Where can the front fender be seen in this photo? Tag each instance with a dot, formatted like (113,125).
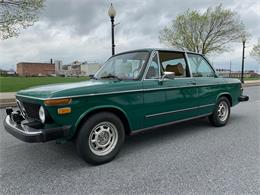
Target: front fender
(99,108)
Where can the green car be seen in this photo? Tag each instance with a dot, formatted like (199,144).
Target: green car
(132,92)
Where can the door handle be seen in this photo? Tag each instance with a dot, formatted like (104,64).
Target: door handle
(192,83)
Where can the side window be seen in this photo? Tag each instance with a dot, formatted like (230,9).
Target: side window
(153,70)
(199,66)
(174,62)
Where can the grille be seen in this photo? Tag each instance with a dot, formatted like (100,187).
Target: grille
(31,110)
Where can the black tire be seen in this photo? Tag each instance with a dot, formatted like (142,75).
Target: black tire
(89,131)
(216,119)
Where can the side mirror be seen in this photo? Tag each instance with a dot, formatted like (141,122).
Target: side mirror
(91,76)
(168,75)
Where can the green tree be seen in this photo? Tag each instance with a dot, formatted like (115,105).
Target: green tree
(16,15)
(208,32)
(255,52)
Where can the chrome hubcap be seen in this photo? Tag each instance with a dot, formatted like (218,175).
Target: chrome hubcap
(103,138)
(223,111)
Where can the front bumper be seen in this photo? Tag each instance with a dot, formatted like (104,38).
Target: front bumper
(243,98)
(29,132)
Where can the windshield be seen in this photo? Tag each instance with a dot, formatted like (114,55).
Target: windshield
(125,66)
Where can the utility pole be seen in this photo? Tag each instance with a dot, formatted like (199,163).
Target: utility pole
(243,59)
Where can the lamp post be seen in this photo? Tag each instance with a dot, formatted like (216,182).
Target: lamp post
(230,64)
(112,14)
(243,58)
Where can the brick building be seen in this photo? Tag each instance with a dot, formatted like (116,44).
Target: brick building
(35,69)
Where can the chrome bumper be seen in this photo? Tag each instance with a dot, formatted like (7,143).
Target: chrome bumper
(28,133)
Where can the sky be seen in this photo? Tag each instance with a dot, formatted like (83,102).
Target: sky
(70,30)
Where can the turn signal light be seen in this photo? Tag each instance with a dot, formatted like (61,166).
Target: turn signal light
(56,102)
(62,111)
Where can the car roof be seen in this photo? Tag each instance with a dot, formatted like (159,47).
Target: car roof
(157,49)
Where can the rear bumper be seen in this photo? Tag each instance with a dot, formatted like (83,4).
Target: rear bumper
(29,134)
(243,98)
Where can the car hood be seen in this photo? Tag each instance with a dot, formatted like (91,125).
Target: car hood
(65,89)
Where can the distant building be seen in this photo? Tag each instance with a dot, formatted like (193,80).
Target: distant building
(89,68)
(224,72)
(58,67)
(236,74)
(73,70)
(35,69)
(76,68)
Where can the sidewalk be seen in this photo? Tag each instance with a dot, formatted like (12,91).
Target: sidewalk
(251,83)
(8,99)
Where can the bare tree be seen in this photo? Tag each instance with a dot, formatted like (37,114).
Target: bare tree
(16,15)
(255,52)
(209,32)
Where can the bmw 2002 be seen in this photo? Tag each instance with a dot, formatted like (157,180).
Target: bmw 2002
(132,92)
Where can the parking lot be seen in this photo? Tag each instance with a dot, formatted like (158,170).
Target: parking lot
(188,158)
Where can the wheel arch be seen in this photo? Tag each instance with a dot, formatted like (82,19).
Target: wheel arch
(113,109)
(227,95)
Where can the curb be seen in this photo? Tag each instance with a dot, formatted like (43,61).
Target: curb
(251,84)
(7,103)
(12,102)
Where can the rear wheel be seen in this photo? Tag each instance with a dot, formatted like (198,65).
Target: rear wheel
(221,113)
(100,138)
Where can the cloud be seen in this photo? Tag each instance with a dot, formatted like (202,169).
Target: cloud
(80,30)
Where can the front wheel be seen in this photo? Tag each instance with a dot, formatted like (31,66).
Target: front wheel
(100,138)
(221,113)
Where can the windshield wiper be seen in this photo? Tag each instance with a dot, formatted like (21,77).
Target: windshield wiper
(111,76)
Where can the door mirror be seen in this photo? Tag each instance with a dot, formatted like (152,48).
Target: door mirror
(168,75)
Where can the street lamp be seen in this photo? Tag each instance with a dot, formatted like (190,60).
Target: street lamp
(112,14)
(243,58)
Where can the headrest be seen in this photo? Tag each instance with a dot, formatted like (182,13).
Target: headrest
(177,69)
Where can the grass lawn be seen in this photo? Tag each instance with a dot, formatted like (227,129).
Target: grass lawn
(13,84)
(252,79)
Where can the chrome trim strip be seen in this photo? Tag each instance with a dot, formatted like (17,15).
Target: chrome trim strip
(166,88)
(134,132)
(188,64)
(126,91)
(174,111)
(31,97)
(149,63)
(159,64)
(86,95)
(107,93)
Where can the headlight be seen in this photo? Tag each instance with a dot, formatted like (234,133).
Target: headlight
(42,114)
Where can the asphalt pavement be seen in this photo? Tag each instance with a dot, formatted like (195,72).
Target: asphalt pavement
(188,158)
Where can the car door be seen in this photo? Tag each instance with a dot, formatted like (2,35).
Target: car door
(181,91)
(154,95)
(169,100)
(208,84)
